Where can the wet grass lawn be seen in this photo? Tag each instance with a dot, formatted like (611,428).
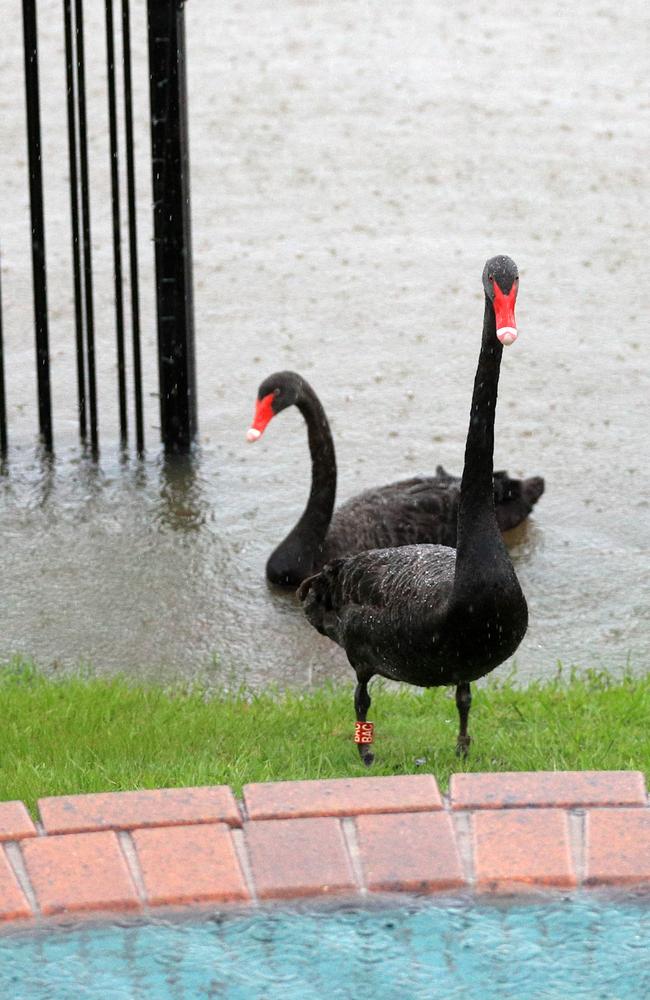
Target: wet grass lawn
(80,734)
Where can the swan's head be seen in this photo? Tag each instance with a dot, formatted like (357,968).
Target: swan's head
(276,392)
(501,282)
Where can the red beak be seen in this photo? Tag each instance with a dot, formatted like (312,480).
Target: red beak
(504,311)
(263,414)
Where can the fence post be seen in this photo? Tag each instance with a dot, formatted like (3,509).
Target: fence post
(38,226)
(171,213)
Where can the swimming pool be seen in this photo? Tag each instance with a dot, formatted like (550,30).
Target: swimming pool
(569,947)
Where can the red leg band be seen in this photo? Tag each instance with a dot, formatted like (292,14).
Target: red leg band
(363,732)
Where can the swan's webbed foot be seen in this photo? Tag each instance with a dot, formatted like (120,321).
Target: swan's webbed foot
(463,704)
(366,754)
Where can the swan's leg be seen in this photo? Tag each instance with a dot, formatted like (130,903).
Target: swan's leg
(463,704)
(361,705)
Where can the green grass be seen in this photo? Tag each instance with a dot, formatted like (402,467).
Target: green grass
(83,735)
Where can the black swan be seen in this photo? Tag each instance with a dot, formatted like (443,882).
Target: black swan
(411,512)
(428,614)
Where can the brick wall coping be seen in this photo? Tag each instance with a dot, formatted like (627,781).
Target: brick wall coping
(496,833)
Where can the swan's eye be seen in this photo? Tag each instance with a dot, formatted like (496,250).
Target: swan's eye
(276,392)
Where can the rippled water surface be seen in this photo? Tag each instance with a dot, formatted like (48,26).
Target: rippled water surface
(352,168)
(574,948)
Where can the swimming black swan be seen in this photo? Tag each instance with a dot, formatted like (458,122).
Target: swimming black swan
(427,614)
(410,512)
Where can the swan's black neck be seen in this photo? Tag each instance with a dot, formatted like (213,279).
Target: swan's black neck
(479,539)
(301,551)
(320,506)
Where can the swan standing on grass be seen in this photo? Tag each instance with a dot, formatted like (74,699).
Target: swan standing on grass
(411,512)
(428,614)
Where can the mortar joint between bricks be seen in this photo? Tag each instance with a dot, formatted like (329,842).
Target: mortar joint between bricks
(17,862)
(131,857)
(463,830)
(241,850)
(349,829)
(577,821)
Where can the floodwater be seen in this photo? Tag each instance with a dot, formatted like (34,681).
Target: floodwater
(352,168)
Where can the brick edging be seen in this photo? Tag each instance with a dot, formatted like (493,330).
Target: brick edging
(493,833)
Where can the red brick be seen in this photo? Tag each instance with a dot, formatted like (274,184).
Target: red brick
(84,871)
(522,848)
(562,789)
(128,810)
(409,852)
(13,903)
(15,821)
(617,847)
(189,864)
(298,857)
(342,797)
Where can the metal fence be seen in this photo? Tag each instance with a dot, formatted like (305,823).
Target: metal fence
(171,227)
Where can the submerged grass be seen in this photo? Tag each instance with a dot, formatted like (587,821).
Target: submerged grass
(84,734)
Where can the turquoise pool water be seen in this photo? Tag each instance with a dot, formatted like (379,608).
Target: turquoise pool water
(569,948)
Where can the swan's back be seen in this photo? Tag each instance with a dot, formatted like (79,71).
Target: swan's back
(382,604)
(394,613)
(422,510)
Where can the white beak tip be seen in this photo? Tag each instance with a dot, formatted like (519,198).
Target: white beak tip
(252,434)
(507,335)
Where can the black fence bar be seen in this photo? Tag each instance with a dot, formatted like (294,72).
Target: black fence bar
(85,218)
(171,196)
(3,404)
(117,245)
(133,233)
(70,63)
(38,226)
